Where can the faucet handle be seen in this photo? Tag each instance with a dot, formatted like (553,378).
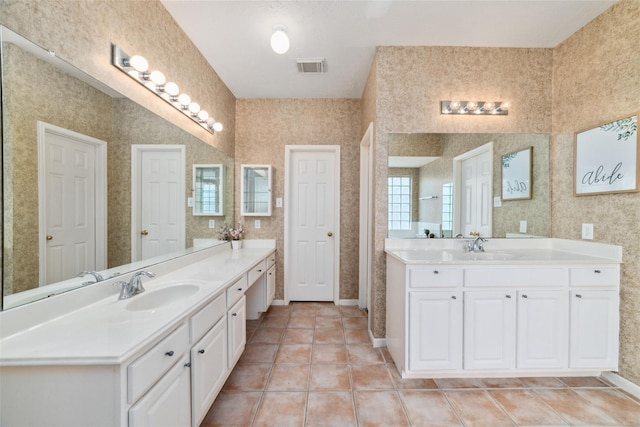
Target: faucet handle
(124,289)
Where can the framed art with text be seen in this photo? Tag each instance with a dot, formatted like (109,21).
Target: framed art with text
(606,158)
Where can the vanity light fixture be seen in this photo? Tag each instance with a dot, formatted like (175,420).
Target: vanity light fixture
(279,39)
(482,108)
(137,68)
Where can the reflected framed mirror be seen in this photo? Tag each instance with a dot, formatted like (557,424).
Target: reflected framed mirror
(208,190)
(255,190)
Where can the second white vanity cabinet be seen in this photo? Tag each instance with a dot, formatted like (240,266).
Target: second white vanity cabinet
(236,319)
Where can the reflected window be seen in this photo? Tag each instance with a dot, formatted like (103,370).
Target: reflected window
(447,210)
(399,202)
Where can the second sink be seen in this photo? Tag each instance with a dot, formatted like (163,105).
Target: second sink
(161,297)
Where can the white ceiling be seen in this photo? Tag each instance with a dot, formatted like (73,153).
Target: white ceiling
(234,36)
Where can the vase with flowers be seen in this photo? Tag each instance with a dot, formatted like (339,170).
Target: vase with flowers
(234,234)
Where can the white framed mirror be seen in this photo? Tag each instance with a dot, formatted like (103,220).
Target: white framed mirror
(255,190)
(208,190)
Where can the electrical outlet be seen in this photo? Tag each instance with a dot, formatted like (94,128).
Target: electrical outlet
(212,223)
(523,226)
(587,231)
(257,224)
(278,202)
(190,202)
(497,202)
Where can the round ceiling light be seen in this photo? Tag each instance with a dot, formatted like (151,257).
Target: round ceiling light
(280,40)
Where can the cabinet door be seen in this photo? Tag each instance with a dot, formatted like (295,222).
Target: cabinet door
(271,285)
(236,319)
(594,329)
(208,369)
(543,329)
(168,403)
(489,330)
(435,330)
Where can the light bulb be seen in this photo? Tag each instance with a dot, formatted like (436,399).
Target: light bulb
(139,63)
(454,105)
(172,89)
(210,122)
(217,126)
(184,99)
(488,106)
(279,40)
(158,78)
(203,115)
(471,105)
(194,107)
(504,106)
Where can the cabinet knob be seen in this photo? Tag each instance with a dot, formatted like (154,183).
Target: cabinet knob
(436,272)
(524,296)
(597,271)
(507,296)
(239,289)
(201,351)
(259,271)
(578,296)
(187,365)
(234,314)
(454,297)
(169,353)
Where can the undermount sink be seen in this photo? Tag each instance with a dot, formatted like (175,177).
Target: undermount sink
(158,298)
(489,256)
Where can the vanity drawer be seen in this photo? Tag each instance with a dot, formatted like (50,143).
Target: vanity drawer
(434,276)
(237,290)
(595,276)
(516,276)
(257,271)
(271,259)
(203,320)
(147,369)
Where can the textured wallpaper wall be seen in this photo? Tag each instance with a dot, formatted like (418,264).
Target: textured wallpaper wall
(596,75)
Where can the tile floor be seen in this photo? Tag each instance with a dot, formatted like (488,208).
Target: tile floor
(311,364)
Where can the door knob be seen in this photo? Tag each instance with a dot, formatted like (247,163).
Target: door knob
(49,237)
(144,232)
(329,234)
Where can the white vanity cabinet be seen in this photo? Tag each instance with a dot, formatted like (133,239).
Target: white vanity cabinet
(262,287)
(236,319)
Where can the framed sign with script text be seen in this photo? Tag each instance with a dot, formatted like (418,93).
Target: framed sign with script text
(606,158)
(517,178)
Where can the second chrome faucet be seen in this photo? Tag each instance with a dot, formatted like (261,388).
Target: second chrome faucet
(134,287)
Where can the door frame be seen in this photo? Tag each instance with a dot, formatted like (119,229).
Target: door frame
(366,218)
(457,182)
(136,177)
(100,194)
(288,151)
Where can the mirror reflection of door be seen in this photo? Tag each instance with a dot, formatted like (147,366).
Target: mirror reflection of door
(72,203)
(158,199)
(476,190)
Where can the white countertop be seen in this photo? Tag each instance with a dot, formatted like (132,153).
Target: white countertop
(502,251)
(105,332)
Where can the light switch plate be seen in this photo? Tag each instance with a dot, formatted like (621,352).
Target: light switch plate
(257,224)
(497,202)
(278,202)
(587,231)
(523,226)
(212,223)
(190,202)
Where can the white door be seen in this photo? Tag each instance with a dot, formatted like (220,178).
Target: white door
(72,203)
(435,331)
(489,330)
(543,329)
(158,196)
(473,188)
(312,183)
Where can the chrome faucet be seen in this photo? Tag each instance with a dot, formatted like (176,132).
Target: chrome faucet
(134,287)
(476,245)
(95,274)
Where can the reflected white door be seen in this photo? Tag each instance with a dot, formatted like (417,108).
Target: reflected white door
(71,203)
(476,193)
(159,226)
(312,222)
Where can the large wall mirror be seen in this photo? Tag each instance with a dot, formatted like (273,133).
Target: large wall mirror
(423,172)
(49,108)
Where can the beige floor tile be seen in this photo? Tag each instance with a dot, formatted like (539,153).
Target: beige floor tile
(543,382)
(274,322)
(304,309)
(328,336)
(364,353)
(259,353)
(379,409)
(624,410)
(328,322)
(331,409)
(501,383)
(371,377)
(386,355)
(302,322)
(477,409)
(574,409)
(232,408)
(410,383)
(282,409)
(355,322)
(289,378)
(298,336)
(429,408)
(267,335)
(583,382)
(330,377)
(328,310)
(294,353)
(360,336)
(248,377)
(456,383)
(526,409)
(351,311)
(329,353)
(279,310)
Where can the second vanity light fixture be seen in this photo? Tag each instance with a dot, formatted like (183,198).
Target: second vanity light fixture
(137,68)
(483,108)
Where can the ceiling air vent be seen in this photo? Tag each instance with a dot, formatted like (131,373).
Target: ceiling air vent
(311,65)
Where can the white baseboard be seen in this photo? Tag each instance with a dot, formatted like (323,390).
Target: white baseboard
(349,302)
(377,342)
(623,383)
(278,302)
